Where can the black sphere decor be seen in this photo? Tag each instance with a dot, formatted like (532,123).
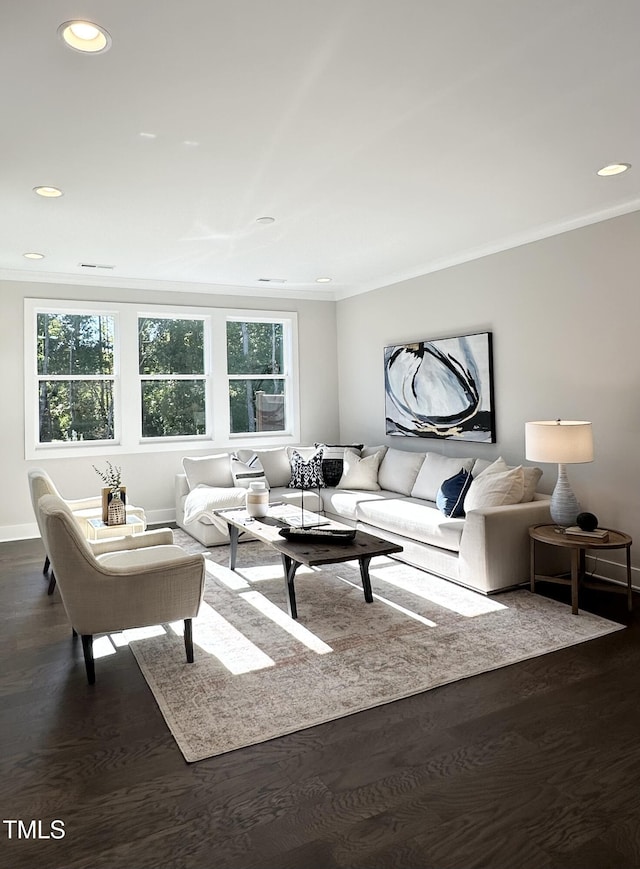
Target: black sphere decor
(587,521)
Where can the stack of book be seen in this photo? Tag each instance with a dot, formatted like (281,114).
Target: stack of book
(599,534)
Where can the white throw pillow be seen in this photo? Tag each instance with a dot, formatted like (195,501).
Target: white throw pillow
(531,476)
(495,489)
(398,470)
(434,471)
(245,473)
(360,473)
(208,471)
(275,462)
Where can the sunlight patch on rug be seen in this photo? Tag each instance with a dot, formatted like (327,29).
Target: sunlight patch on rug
(216,636)
(409,613)
(439,591)
(258,674)
(284,621)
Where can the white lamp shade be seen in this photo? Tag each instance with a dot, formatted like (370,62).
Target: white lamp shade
(561,442)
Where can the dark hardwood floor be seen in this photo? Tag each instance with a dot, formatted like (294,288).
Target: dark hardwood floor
(532,766)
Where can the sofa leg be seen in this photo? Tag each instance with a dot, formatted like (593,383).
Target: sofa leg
(46,564)
(52,582)
(188,639)
(87,648)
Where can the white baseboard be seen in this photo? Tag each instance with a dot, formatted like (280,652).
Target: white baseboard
(614,571)
(30,530)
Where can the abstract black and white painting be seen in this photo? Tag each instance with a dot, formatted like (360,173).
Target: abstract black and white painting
(441,389)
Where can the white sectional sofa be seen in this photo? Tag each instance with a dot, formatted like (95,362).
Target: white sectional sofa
(487,549)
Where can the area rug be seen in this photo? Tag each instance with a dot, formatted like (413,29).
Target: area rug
(258,674)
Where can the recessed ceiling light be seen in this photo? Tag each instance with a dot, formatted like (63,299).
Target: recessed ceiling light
(47,192)
(323,280)
(33,255)
(265,220)
(147,135)
(613,169)
(85,36)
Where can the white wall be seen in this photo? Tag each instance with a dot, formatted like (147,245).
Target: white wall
(149,477)
(565,317)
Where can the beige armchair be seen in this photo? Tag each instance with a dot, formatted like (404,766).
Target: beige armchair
(83,509)
(117,590)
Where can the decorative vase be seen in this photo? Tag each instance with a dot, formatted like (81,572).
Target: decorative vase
(107,495)
(116,513)
(257,500)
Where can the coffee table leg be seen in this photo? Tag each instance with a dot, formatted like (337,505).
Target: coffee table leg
(233,546)
(629,589)
(364,561)
(290,566)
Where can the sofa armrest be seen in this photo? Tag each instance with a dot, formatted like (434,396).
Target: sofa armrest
(181,485)
(494,548)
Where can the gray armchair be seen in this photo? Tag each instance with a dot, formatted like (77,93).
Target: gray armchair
(117,590)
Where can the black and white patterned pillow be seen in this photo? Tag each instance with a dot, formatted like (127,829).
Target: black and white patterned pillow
(306,474)
(333,461)
(244,473)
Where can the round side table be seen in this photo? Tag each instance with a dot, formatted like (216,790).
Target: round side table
(553,535)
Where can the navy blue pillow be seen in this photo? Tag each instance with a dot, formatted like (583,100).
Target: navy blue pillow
(450,497)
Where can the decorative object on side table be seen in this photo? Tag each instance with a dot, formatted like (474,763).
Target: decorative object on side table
(114,495)
(587,521)
(560,442)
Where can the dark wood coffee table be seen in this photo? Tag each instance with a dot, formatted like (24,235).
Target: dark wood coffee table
(311,553)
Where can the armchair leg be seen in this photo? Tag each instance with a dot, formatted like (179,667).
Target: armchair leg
(188,639)
(46,564)
(87,648)
(52,582)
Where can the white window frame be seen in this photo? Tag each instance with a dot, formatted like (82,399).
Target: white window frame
(127,380)
(206,376)
(287,364)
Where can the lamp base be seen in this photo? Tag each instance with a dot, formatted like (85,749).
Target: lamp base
(564,504)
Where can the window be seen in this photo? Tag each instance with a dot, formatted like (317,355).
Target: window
(125,378)
(172,372)
(257,376)
(75,364)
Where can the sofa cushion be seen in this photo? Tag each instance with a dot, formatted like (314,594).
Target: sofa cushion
(531,476)
(398,470)
(275,462)
(344,502)
(309,499)
(451,494)
(360,472)
(208,470)
(412,518)
(479,466)
(495,489)
(245,473)
(370,451)
(306,474)
(333,461)
(434,471)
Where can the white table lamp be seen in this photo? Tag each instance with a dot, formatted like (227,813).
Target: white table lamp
(562,442)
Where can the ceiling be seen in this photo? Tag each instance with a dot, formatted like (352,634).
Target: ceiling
(388,138)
